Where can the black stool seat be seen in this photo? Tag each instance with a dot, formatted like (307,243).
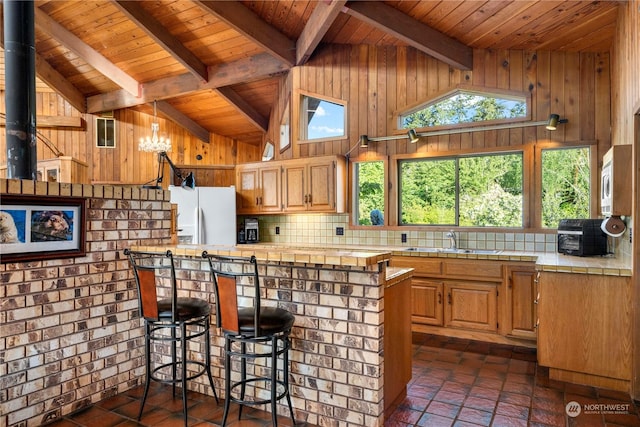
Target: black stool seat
(186,308)
(243,327)
(171,321)
(272,321)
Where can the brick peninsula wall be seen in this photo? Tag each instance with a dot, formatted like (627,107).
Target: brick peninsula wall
(69,328)
(70,334)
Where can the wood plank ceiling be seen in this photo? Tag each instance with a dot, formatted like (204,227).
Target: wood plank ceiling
(213,66)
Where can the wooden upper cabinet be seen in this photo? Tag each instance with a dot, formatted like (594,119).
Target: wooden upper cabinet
(302,185)
(310,186)
(259,189)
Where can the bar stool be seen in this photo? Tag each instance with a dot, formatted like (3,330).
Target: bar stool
(169,320)
(251,327)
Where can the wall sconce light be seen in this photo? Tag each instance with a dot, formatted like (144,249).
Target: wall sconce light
(364,141)
(554,120)
(413,136)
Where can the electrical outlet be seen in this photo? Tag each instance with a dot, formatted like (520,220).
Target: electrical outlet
(403,237)
(339,231)
(277,230)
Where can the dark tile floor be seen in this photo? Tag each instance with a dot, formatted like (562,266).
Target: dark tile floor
(455,383)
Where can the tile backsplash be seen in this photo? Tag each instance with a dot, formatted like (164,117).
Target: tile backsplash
(325,229)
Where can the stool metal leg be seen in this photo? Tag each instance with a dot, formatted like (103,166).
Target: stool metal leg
(207,352)
(274,379)
(147,358)
(183,350)
(243,374)
(227,378)
(285,370)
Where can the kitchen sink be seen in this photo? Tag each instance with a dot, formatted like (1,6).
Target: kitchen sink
(456,251)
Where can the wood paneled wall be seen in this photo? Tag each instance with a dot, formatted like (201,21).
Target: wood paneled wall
(124,164)
(379,82)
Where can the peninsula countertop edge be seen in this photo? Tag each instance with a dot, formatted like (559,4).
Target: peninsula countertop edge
(367,256)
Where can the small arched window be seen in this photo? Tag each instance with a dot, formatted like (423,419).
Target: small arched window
(466,105)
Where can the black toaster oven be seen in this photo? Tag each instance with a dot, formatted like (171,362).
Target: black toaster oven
(581,237)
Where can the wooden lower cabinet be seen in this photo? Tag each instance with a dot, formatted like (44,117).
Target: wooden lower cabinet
(520,295)
(397,342)
(471,306)
(487,300)
(584,333)
(426,302)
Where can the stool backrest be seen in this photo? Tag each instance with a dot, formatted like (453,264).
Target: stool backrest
(226,272)
(149,269)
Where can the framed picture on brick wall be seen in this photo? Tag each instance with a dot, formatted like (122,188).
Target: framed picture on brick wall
(41,227)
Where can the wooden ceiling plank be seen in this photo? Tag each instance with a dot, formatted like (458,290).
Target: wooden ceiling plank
(182,120)
(161,35)
(83,50)
(250,25)
(412,32)
(241,71)
(60,84)
(317,26)
(243,107)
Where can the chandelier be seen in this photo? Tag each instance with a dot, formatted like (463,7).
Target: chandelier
(154,143)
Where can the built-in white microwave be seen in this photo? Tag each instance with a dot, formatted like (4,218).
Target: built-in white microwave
(615,181)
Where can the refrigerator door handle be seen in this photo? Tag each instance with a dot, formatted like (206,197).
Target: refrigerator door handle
(196,226)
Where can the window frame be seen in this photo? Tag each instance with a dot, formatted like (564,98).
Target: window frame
(301,120)
(456,157)
(480,90)
(353,185)
(97,127)
(594,179)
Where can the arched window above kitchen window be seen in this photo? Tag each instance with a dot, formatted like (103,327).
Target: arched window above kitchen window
(467,105)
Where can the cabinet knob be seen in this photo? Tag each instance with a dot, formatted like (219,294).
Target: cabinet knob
(439,298)
(449,298)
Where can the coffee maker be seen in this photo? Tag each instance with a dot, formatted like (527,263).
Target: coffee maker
(251,230)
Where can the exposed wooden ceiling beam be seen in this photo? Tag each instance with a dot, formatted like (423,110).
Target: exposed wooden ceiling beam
(243,107)
(57,82)
(160,35)
(54,121)
(180,119)
(45,23)
(412,32)
(245,70)
(317,26)
(250,25)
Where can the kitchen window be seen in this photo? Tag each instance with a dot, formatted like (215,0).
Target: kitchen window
(566,190)
(369,185)
(471,191)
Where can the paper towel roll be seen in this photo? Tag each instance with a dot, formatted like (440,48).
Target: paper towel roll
(613,226)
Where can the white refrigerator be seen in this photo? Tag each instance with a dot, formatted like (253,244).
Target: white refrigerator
(207,214)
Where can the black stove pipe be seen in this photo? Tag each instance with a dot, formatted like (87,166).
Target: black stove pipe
(20,88)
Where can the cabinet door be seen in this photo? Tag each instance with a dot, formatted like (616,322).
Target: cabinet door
(520,313)
(426,302)
(295,189)
(585,324)
(247,187)
(270,200)
(471,306)
(321,187)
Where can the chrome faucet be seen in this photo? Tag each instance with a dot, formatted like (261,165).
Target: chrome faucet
(452,237)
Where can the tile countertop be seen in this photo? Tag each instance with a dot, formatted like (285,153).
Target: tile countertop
(362,256)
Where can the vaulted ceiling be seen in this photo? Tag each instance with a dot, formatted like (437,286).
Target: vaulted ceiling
(213,66)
